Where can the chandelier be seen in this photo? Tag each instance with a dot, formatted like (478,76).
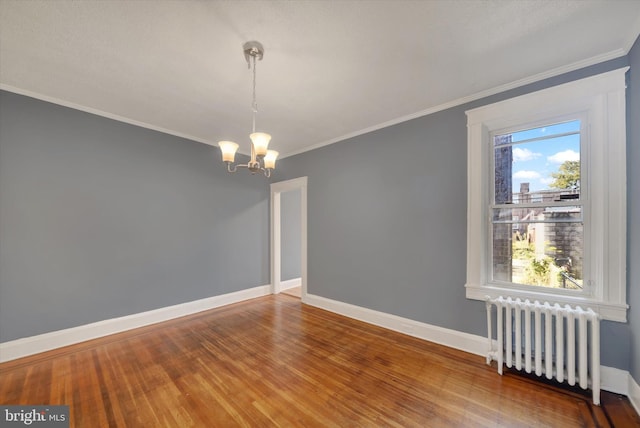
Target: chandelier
(262,160)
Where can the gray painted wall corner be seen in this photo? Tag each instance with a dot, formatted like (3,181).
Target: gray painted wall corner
(290,240)
(101,219)
(388,232)
(633,207)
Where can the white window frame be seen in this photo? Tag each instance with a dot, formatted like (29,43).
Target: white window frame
(601,99)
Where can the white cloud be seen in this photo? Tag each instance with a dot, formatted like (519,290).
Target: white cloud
(547,181)
(530,175)
(561,157)
(521,155)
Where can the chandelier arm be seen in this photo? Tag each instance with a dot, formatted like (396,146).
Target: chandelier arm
(254,168)
(251,166)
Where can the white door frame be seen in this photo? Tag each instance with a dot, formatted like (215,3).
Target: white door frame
(276,251)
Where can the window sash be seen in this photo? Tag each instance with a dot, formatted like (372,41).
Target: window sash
(577,203)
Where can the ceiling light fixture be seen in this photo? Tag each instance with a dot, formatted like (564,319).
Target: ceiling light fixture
(262,160)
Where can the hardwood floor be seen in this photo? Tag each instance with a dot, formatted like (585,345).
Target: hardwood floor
(294,292)
(272,361)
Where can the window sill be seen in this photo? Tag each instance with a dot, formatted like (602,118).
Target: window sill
(606,310)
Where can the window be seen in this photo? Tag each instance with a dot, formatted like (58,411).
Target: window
(547,196)
(537,233)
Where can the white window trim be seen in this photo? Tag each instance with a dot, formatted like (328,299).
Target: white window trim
(602,99)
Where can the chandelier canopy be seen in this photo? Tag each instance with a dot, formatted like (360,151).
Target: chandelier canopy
(262,160)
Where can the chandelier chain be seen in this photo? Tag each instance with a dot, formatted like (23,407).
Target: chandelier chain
(254,106)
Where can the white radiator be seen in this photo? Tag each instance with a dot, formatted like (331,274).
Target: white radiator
(547,342)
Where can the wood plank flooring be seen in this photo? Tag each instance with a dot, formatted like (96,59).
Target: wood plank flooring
(294,292)
(273,361)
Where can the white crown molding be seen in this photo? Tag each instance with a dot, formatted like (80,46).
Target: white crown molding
(633,36)
(102,113)
(18,348)
(482,94)
(478,95)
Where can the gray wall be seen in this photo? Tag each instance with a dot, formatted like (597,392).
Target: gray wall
(100,219)
(633,206)
(290,234)
(388,231)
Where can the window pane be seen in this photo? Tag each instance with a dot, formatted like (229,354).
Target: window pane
(540,254)
(559,128)
(540,170)
(503,182)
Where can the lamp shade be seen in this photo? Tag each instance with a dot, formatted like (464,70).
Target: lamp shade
(228,149)
(260,142)
(270,159)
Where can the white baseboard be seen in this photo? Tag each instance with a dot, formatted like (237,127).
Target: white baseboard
(443,336)
(611,379)
(290,283)
(614,380)
(633,393)
(45,342)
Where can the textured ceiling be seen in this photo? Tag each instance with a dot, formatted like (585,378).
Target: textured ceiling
(331,69)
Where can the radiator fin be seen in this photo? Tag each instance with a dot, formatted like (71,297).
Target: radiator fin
(554,338)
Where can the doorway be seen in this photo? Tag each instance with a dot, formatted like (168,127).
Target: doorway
(277,191)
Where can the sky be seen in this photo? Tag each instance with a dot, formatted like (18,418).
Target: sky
(534,161)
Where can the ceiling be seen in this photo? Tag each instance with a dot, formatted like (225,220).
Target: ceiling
(331,70)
